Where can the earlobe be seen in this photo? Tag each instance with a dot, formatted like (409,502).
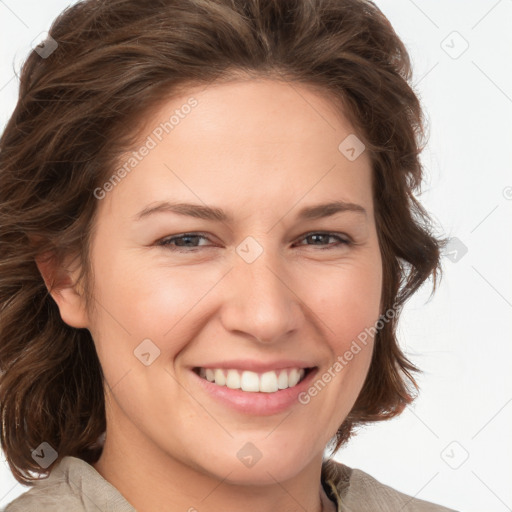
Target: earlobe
(62,286)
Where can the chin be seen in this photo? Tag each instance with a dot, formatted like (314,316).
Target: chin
(255,468)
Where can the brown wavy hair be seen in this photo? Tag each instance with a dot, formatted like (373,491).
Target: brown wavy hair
(80,108)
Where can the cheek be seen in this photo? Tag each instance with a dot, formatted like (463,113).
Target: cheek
(143,297)
(347,300)
(348,307)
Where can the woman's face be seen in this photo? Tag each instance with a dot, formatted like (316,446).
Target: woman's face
(260,288)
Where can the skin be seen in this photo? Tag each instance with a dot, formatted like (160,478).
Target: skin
(261,150)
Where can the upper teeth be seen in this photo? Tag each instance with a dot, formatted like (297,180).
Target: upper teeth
(268,382)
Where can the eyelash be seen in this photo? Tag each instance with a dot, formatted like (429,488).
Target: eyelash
(166,242)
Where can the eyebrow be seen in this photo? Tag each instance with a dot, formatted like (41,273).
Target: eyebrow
(204,212)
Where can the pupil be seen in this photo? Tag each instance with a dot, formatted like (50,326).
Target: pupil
(185,239)
(318,237)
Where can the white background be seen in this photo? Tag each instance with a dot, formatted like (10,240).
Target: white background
(453,446)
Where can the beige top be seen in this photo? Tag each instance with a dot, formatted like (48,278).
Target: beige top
(75,486)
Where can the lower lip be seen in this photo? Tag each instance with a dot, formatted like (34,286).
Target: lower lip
(256,403)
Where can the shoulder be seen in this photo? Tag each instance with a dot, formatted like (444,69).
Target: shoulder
(357,491)
(72,485)
(45,499)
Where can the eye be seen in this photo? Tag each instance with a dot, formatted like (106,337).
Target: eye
(323,237)
(189,242)
(182,243)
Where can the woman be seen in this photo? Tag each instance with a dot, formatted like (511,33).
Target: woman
(209,231)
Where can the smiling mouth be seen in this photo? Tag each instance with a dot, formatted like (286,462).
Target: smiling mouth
(253,382)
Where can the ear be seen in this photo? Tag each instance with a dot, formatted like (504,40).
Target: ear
(61,283)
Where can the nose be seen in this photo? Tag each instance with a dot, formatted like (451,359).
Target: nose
(261,300)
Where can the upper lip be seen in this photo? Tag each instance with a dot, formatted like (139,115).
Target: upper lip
(256,366)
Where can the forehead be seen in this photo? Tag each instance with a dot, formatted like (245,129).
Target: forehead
(253,112)
(244,142)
